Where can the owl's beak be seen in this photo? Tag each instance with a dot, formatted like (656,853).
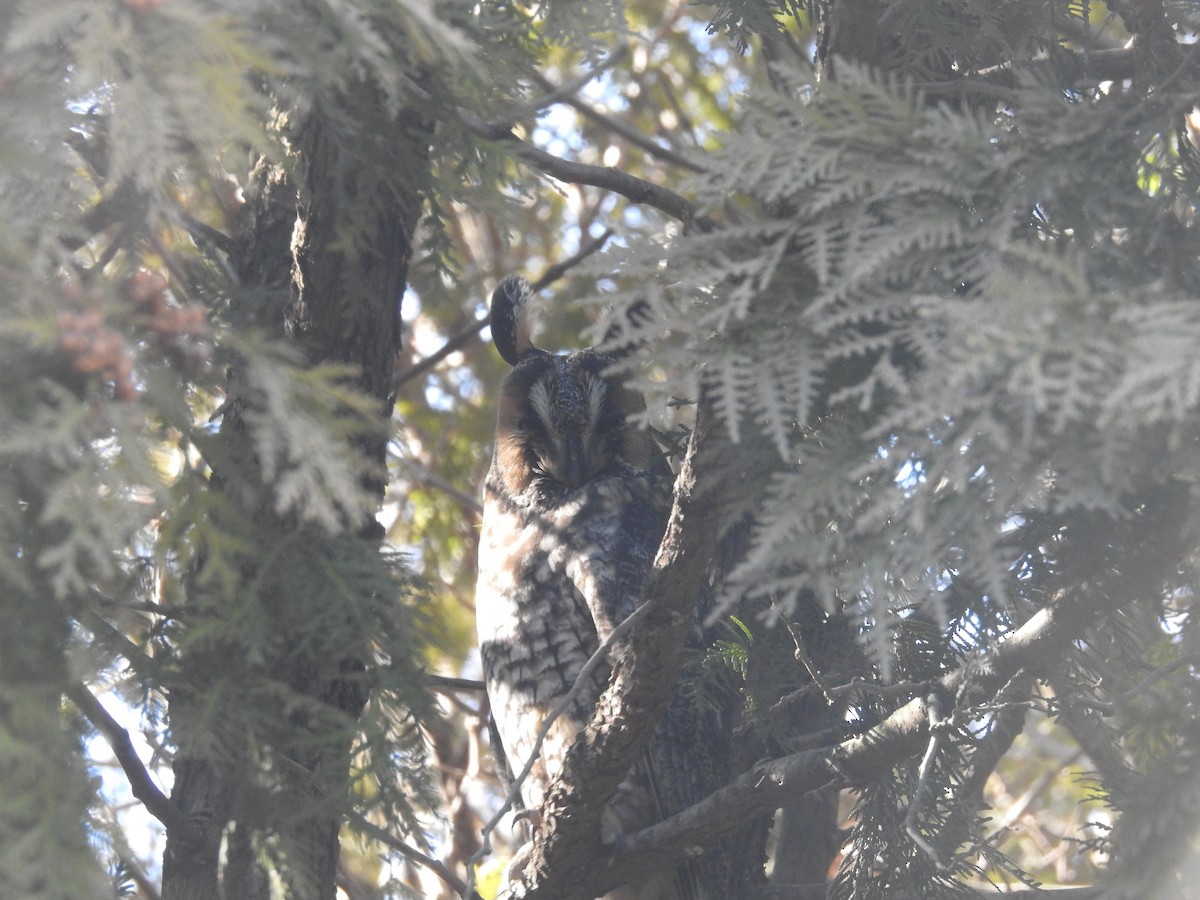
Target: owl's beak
(575,470)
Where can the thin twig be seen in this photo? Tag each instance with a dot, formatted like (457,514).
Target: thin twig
(499,128)
(632,135)
(899,689)
(629,186)
(609,178)
(100,626)
(937,724)
(157,803)
(1014,810)
(154,609)
(461,338)
(369,828)
(803,656)
(422,476)
(1109,64)
(411,853)
(1138,690)
(455,342)
(566,91)
(442,683)
(563,266)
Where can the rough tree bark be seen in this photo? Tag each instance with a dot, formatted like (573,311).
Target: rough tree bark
(335,309)
(568,858)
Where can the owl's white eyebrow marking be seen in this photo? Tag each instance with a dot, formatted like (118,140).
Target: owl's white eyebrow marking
(597,390)
(543,405)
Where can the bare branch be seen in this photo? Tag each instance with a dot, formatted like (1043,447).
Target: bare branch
(567,859)
(563,266)
(96,623)
(411,853)
(567,91)
(421,475)
(442,683)
(1112,64)
(611,179)
(154,609)
(857,760)
(937,732)
(632,135)
(144,789)
(638,190)
(1138,691)
(804,657)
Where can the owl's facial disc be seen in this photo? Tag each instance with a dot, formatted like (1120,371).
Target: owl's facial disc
(562,422)
(569,408)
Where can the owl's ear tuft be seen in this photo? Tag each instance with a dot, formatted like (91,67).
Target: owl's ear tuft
(510,319)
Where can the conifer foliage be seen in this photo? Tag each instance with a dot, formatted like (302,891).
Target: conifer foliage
(912,286)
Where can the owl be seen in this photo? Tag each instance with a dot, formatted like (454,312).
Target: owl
(576,503)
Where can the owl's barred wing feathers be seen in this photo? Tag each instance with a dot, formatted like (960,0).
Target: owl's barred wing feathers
(576,503)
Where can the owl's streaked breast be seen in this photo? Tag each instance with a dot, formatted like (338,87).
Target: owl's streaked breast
(538,567)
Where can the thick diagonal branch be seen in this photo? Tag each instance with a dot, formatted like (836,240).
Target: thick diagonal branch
(568,861)
(141,784)
(769,785)
(638,190)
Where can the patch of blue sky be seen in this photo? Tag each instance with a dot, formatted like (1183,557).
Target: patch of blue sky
(910,474)
(438,398)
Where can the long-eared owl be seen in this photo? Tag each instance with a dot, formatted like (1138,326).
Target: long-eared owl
(576,502)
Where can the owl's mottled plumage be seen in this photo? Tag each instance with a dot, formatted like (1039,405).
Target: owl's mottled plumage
(576,502)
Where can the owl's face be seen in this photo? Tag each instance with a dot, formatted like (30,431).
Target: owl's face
(563,423)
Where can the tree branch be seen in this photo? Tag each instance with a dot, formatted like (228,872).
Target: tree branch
(769,785)
(566,92)
(582,680)
(1138,692)
(144,789)
(638,190)
(420,475)
(411,853)
(568,860)
(616,126)
(451,685)
(612,179)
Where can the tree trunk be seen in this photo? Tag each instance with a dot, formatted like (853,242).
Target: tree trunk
(339,306)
